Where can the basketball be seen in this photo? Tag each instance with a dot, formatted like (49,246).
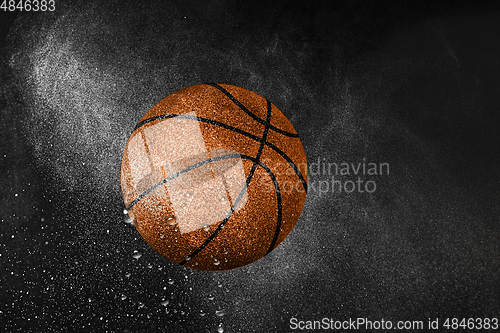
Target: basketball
(214,177)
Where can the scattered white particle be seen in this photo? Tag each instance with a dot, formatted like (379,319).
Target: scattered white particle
(127,219)
(171,220)
(136,254)
(189,196)
(16,194)
(125,211)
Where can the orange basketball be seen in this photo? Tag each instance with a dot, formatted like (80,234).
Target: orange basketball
(214,177)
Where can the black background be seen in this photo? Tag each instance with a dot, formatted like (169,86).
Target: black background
(412,84)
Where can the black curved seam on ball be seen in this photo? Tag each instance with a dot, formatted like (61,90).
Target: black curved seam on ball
(177,174)
(261,148)
(221,225)
(262,143)
(250,113)
(256,161)
(276,184)
(235,204)
(231,128)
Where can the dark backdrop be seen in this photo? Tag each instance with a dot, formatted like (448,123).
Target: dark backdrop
(411,84)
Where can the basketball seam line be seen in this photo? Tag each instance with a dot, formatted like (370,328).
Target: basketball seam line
(250,113)
(177,174)
(201,163)
(231,128)
(247,184)
(221,225)
(264,137)
(278,195)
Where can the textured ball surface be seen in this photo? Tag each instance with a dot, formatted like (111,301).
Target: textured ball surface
(214,177)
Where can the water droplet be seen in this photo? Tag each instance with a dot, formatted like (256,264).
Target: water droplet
(171,220)
(127,219)
(149,315)
(220,329)
(162,236)
(150,266)
(170,281)
(141,305)
(223,199)
(216,262)
(189,196)
(165,302)
(211,297)
(220,313)
(206,228)
(202,314)
(125,211)
(128,275)
(136,254)
(188,258)
(123,297)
